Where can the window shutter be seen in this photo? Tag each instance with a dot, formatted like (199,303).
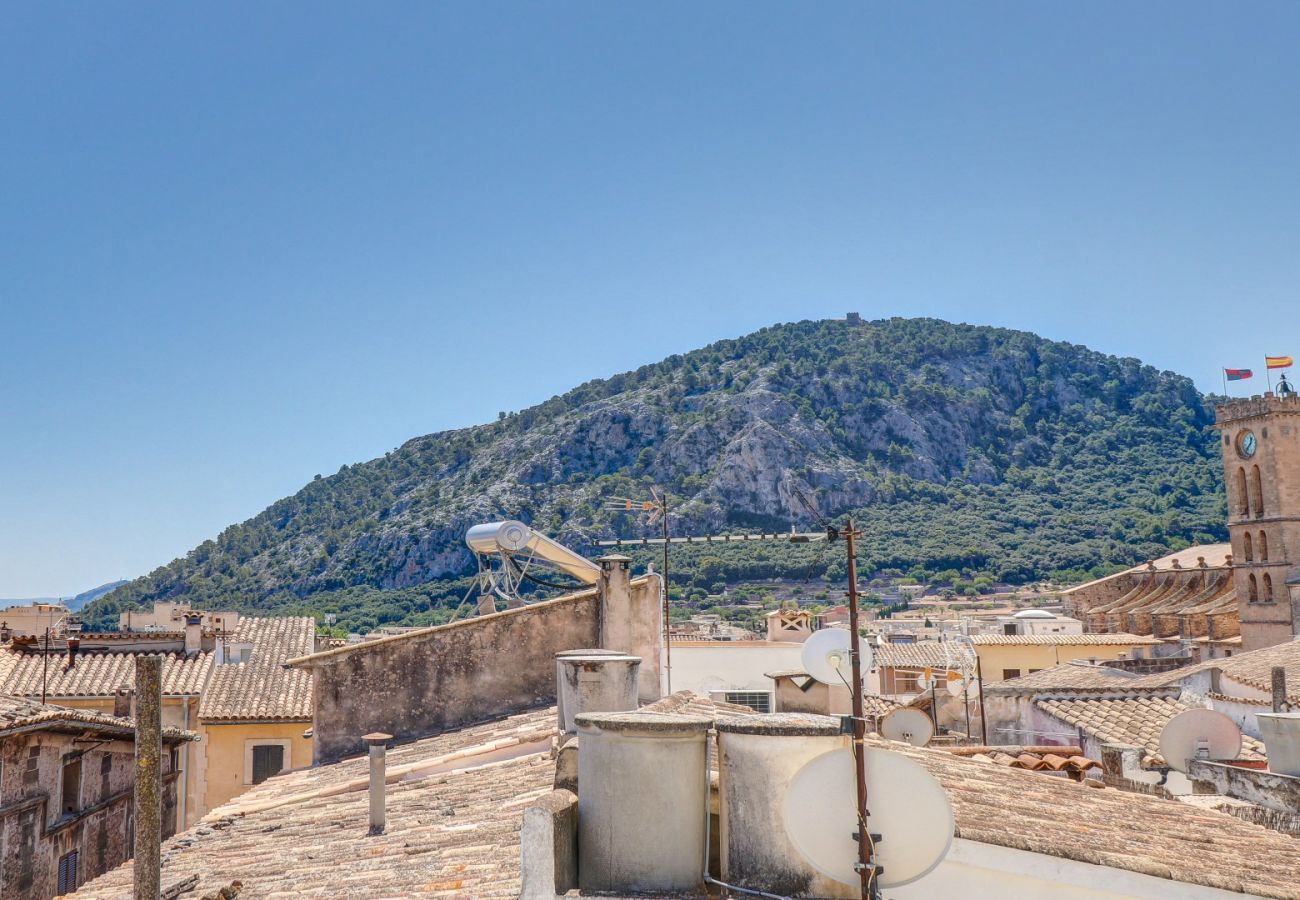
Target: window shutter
(268,760)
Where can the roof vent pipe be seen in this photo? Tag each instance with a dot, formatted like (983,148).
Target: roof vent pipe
(378,742)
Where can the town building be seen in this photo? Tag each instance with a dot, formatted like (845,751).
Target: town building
(66,785)
(223,679)
(1185,596)
(31,619)
(1038,621)
(1004,656)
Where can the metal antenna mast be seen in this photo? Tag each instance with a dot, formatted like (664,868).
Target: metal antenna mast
(656,510)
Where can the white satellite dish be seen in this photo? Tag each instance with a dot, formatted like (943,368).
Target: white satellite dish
(911,726)
(909,809)
(827,656)
(958,687)
(1199,734)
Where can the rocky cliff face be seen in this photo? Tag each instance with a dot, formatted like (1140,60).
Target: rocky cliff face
(868,417)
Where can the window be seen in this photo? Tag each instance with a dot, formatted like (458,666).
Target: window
(68,872)
(1032,671)
(71,785)
(1243,498)
(1263,547)
(1009,628)
(1256,490)
(1252,588)
(32,771)
(1010,673)
(758,701)
(1268,588)
(1248,546)
(268,760)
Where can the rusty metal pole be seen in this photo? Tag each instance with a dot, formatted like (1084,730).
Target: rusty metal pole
(859,720)
(1279,689)
(984,721)
(148,777)
(668,630)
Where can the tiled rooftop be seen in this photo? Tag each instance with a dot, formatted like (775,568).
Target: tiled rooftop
(923,654)
(263,688)
(998,805)
(455,804)
(1135,721)
(1253,668)
(96,674)
(21,712)
(1069,677)
(1061,640)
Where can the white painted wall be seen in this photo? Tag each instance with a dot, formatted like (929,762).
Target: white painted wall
(730,665)
(975,871)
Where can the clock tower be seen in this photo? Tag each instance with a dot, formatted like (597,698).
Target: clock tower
(1260,443)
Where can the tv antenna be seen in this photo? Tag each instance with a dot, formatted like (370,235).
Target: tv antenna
(1199,734)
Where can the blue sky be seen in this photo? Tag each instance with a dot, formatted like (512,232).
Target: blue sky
(245,244)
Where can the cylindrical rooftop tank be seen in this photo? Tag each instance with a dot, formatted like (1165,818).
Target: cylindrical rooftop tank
(758,757)
(642,802)
(494,537)
(603,681)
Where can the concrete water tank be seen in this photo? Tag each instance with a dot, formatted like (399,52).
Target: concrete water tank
(758,757)
(642,802)
(604,682)
(1281,733)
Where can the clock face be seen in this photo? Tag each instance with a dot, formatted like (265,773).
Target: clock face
(1246,444)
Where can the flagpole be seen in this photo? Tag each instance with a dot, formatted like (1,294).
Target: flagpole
(1268,374)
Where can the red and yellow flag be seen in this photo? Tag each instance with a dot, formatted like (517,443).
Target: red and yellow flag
(1279,362)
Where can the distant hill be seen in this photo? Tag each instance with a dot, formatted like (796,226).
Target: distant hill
(967,453)
(74,603)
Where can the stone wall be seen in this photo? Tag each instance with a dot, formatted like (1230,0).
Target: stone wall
(424,682)
(35,834)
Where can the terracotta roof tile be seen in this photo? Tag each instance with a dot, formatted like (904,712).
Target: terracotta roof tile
(262,688)
(21,712)
(454,831)
(1062,640)
(1136,721)
(97,674)
(922,654)
(1071,677)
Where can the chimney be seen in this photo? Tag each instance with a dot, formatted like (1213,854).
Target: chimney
(378,742)
(631,619)
(594,681)
(122,703)
(73,644)
(193,633)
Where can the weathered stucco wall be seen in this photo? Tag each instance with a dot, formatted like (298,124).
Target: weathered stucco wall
(421,683)
(226,749)
(34,833)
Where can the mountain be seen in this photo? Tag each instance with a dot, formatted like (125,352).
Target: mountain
(86,597)
(967,453)
(75,603)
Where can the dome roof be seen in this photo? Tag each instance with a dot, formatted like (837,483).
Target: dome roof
(1034,614)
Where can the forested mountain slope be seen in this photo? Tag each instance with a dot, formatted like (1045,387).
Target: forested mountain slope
(963,450)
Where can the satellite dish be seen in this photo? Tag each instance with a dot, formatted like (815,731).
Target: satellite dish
(909,809)
(1199,734)
(827,656)
(911,726)
(959,686)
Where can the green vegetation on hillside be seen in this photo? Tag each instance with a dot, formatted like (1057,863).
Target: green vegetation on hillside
(966,453)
